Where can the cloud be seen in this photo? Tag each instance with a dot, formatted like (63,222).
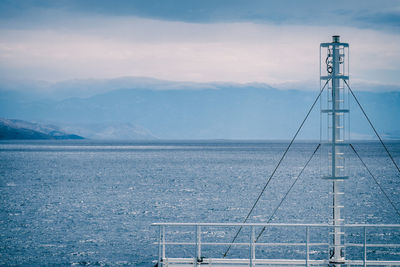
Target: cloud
(167,50)
(377,20)
(109,47)
(293,12)
(199,41)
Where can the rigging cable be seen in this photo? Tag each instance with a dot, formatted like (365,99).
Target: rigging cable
(383,191)
(287,193)
(370,123)
(273,173)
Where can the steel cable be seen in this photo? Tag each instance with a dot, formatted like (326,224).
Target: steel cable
(287,193)
(277,166)
(376,181)
(372,126)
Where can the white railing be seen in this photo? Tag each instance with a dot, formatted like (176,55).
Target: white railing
(392,230)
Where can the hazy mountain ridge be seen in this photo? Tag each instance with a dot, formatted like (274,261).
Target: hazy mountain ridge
(85,88)
(109,131)
(219,110)
(19,129)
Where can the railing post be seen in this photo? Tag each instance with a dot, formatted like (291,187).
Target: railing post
(365,246)
(307,245)
(159,245)
(198,245)
(163,245)
(252,247)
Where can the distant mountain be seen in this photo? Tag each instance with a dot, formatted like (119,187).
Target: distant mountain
(84,88)
(19,129)
(146,109)
(109,131)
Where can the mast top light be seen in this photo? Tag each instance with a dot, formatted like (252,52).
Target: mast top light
(336,39)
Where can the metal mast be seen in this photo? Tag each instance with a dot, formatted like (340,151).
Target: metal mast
(334,99)
(335,69)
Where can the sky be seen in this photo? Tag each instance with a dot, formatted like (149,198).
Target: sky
(273,42)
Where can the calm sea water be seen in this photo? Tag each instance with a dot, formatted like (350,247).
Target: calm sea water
(93,203)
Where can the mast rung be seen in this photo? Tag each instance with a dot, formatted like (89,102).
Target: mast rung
(336,246)
(333,233)
(337,153)
(344,77)
(335,177)
(341,207)
(336,144)
(337,111)
(337,220)
(338,100)
(337,193)
(340,46)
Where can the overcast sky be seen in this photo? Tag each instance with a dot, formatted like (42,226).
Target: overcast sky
(274,42)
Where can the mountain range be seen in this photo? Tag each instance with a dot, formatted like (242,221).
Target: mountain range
(144,108)
(19,129)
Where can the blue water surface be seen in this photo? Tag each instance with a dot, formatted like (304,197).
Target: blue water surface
(65,203)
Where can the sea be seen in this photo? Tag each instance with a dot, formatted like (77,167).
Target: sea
(93,203)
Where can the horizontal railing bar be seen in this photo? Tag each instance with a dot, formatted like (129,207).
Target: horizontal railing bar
(279,244)
(372,262)
(242,261)
(289,244)
(276,224)
(372,245)
(277,261)
(244,244)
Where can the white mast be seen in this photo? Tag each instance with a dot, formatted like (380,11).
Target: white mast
(335,108)
(334,97)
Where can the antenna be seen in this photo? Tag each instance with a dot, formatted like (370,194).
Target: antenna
(335,109)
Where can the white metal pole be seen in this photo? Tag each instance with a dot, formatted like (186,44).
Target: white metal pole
(335,137)
(365,246)
(163,244)
(307,245)
(198,244)
(159,246)
(252,246)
